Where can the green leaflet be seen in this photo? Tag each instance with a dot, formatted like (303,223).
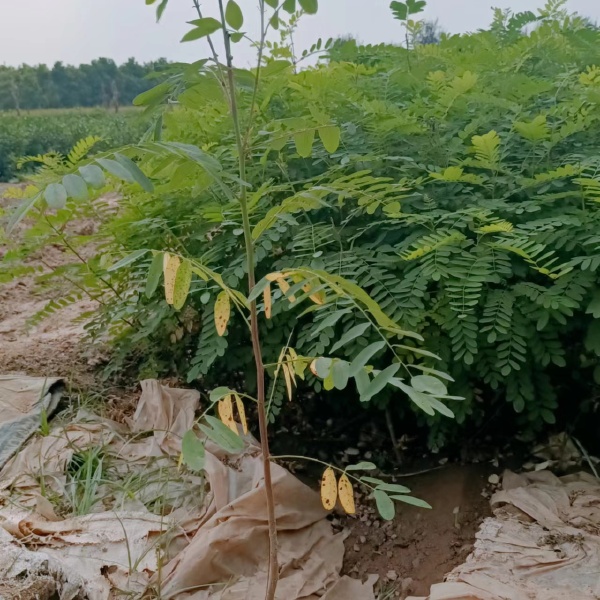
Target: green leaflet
(154,274)
(330,136)
(135,172)
(304,142)
(379,382)
(75,187)
(127,260)
(56,196)
(93,176)
(221,435)
(309,6)
(350,335)
(364,356)
(233,14)
(192,451)
(385,505)
(412,500)
(202,28)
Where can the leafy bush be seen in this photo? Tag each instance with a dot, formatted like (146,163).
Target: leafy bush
(43,131)
(463,196)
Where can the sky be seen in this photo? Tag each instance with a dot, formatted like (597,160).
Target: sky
(77,31)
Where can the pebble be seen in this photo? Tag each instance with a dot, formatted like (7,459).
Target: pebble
(391,575)
(494,479)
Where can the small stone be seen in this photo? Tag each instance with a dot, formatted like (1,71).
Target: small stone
(443,461)
(363,539)
(391,575)
(390,554)
(494,479)
(352,451)
(356,548)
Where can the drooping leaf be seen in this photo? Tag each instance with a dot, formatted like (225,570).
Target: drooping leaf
(346,494)
(202,28)
(304,142)
(192,451)
(221,435)
(385,505)
(56,196)
(154,96)
(268,300)
(310,7)
(272,3)
(93,175)
(154,273)
(233,15)
(127,260)
(330,136)
(362,383)
(364,356)
(222,312)
(284,286)
(75,187)
(241,413)
(362,466)
(288,376)
(225,409)
(351,334)
(412,500)
(329,490)
(135,172)
(170,267)
(258,289)
(183,279)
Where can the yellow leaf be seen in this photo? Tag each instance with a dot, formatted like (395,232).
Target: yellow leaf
(274,276)
(268,301)
(346,494)
(287,373)
(242,413)
(222,312)
(225,408)
(170,268)
(328,489)
(284,286)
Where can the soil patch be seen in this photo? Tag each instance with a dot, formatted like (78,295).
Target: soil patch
(420,546)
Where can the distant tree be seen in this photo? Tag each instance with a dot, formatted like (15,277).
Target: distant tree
(100,83)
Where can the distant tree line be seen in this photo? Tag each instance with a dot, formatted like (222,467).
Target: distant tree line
(100,83)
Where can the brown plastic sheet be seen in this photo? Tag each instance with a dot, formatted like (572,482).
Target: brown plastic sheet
(211,546)
(542,544)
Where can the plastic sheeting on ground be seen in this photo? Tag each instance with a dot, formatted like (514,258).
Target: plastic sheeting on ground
(23,401)
(153,526)
(542,544)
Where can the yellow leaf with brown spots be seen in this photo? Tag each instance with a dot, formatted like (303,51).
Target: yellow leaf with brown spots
(329,489)
(170,268)
(346,494)
(268,301)
(242,413)
(225,408)
(222,312)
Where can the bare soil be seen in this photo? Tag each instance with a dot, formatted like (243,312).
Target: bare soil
(419,546)
(52,348)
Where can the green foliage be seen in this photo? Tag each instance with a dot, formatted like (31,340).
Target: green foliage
(456,184)
(43,132)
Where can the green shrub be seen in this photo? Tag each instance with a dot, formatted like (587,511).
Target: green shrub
(463,197)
